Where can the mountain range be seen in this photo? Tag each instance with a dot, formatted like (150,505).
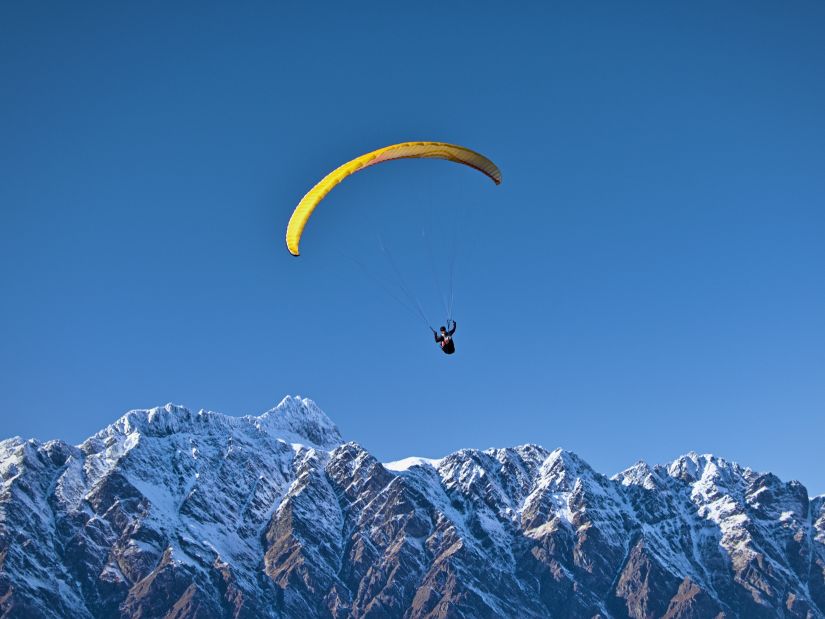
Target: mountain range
(173,513)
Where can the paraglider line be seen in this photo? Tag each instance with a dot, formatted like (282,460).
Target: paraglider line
(384,287)
(434,272)
(402,283)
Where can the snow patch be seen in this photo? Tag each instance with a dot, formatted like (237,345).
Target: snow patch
(406,464)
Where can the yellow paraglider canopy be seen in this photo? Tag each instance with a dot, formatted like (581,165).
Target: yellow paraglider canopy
(405,150)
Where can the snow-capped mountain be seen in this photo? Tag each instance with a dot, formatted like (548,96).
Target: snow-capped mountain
(170,513)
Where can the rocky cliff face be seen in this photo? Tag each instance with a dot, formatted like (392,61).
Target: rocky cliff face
(170,513)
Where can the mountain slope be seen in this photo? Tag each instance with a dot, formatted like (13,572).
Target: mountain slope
(170,513)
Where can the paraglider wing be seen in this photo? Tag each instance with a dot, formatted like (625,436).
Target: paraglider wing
(405,150)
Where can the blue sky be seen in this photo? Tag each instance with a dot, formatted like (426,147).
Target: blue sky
(648,279)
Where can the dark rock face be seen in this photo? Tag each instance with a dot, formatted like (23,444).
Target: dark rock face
(169,513)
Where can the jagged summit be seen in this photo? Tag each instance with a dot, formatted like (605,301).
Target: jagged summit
(692,466)
(301,419)
(169,512)
(294,420)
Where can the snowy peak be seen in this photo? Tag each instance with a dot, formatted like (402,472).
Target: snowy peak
(293,420)
(640,474)
(300,420)
(706,468)
(562,469)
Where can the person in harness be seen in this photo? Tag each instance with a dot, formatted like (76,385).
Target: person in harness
(445,338)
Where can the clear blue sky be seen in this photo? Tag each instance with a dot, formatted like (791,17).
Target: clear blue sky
(649,279)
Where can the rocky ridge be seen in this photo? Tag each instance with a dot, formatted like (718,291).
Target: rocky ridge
(172,513)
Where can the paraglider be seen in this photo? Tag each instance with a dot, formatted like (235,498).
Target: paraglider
(404,150)
(445,338)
